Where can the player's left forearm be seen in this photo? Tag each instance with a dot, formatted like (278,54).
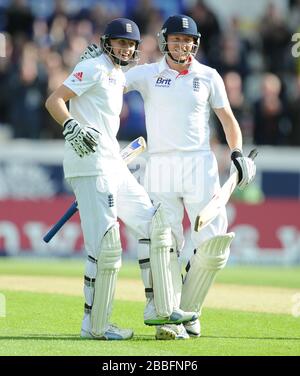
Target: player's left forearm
(231,128)
(233,135)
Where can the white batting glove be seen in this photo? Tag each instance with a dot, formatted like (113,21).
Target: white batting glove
(83,139)
(245,167)
(90,52)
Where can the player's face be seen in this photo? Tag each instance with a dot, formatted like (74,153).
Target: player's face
(123,49)
(180,46)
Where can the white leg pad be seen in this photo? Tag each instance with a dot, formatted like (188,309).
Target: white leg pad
(89,287)
(108,265)
(176,274)
(144,263)
(210,257)
(143,252)
(89,280)
(161,242)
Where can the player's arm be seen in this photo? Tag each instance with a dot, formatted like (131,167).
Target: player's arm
(56,104)
(133,75)
(244,165)
(83,139)
(231,127)
(136,80)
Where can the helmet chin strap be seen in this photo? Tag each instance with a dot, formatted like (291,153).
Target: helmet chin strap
(107,48)
(180,62)
(109,51)
(118,61)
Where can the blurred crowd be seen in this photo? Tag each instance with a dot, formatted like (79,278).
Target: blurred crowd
(44,39)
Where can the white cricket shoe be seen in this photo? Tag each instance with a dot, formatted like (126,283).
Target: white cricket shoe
(193,328)
(112,333)
(178,316)
(150,315)
(169,332)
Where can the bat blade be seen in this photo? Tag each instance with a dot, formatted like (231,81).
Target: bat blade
(219,200)
(213,208)
(132,150)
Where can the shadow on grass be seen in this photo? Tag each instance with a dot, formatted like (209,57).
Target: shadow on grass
(65,337)
(137,337)
(256,338)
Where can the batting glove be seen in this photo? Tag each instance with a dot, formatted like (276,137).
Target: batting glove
(90,52)
(245,167)
(83,140)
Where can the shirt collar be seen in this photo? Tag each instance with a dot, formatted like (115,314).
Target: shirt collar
(108,61)
(162,66)
(193,67)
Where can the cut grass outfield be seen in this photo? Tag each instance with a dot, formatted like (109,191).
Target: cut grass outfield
(276,276)
(48,324)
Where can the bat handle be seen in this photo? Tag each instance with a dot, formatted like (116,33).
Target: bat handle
(58,225)
(253,153)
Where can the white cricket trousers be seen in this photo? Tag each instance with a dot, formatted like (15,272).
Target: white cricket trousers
(185,180)
(101,199)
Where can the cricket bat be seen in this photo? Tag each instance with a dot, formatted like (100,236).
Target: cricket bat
(219,200)
(130,152)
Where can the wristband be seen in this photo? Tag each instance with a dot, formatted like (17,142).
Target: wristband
(236,153)
(67,121)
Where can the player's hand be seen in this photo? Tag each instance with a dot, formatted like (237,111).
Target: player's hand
(83,139)
(245,167)
(90,52)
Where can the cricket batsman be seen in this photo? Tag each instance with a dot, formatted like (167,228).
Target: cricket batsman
(104,187)
(182,172)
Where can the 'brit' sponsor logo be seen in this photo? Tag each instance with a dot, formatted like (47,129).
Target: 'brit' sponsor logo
(163,82)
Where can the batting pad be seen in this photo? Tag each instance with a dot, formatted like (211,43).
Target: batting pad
(143,252)
(108,265)
(210,257)
(89,280)
(160,245)
(176,278)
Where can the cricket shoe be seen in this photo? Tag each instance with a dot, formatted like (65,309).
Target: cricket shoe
(113,333)
(178,316)
(193,328)
(169,332)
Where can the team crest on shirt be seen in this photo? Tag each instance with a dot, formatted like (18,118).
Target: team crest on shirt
(196,84)
(112,81)
(111,201)
(163,82)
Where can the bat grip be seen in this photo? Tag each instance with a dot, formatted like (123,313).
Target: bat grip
(58,225)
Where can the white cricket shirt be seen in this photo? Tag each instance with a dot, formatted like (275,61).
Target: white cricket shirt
(177,106)
(99,86)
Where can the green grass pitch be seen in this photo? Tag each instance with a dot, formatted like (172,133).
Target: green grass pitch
(48,324)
